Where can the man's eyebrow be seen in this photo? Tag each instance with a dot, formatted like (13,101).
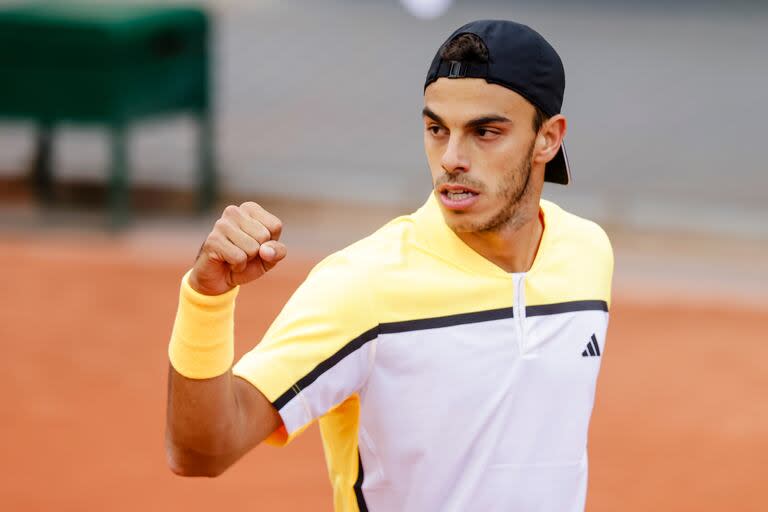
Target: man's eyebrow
(436,118)
(480,121)
(472,123)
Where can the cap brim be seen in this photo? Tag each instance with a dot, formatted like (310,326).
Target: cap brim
(558,170)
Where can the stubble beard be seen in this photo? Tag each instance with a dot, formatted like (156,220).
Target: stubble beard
(514,193)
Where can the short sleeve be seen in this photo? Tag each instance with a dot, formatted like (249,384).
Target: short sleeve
(317,351)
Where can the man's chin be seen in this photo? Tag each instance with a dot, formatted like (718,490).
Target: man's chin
(462,221)
(480,222)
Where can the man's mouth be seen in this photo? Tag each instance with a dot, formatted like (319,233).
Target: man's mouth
(457,192)
(457,197)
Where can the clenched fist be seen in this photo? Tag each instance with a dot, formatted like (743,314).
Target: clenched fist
(242,247)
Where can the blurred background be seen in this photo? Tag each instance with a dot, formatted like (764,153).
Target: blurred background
(155,117)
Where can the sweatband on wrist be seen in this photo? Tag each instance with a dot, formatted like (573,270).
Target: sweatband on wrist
(202,343)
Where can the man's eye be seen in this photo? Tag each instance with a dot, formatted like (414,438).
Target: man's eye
(434,129)
(485,132)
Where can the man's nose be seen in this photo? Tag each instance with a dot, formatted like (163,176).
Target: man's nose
(455,158)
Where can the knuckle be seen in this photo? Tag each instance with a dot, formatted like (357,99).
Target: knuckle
(258,232)
(213,242)
(263,232)
(231,210)
(273,227)
(253,248)
(250,205)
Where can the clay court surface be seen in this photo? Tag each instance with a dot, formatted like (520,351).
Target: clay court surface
(680,424)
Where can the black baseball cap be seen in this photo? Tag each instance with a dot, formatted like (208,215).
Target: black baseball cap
(520,59)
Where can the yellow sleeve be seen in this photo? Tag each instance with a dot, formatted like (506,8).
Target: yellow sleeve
(316,353)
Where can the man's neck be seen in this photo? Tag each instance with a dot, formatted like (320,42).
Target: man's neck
(513,251)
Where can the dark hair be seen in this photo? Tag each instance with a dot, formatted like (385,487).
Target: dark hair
(470,48)
(539,118)
(465,47)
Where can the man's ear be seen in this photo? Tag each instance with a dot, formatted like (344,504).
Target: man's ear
(550,138)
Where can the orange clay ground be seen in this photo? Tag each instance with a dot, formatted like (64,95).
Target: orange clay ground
(680,423)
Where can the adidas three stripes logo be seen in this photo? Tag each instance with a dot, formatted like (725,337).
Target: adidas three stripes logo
(593,348)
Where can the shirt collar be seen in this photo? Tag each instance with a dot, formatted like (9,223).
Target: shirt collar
(443,243)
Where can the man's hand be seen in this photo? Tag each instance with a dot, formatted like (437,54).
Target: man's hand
(242,247)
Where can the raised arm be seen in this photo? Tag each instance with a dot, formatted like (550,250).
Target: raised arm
(213,417)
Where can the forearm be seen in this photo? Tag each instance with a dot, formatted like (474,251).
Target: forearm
(203,420)
(205,429)
(213,417)
(213,422)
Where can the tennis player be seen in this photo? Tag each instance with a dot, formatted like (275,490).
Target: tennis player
(450,358)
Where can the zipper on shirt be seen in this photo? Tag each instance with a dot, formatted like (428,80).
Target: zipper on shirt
(518,308)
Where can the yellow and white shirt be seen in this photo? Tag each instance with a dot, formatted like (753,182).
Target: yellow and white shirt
(440,381)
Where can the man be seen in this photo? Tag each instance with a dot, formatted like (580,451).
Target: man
(450,357)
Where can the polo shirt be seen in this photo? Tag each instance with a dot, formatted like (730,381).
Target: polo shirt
(441,381)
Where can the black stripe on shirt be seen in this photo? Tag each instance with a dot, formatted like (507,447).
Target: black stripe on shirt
(388,328)
(567,307)
(430,323)
(446,321)
(358,487)
(326,365)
